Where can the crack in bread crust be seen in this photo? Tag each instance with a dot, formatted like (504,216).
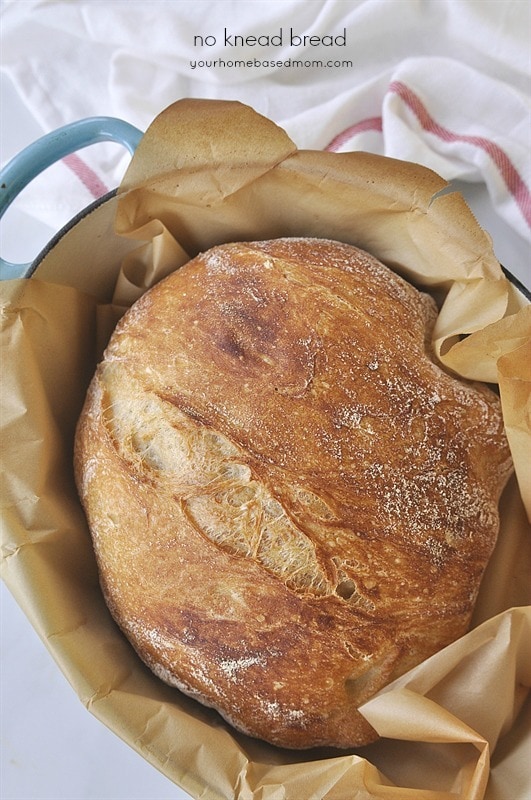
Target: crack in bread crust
(211,481)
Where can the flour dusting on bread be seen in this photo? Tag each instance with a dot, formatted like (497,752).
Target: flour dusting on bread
(291,501)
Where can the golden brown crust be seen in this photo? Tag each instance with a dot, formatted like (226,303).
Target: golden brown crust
(291,504)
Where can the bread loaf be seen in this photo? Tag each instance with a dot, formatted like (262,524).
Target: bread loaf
(291,502)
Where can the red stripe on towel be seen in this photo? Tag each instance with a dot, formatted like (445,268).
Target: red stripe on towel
(86,175)
(370,124)
(515,184)
(508,171)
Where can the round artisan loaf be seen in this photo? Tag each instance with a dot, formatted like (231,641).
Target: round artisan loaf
(291,504)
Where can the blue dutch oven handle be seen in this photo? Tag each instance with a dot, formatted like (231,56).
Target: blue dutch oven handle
(52,147)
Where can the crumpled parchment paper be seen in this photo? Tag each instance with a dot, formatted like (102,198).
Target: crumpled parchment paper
(206,172)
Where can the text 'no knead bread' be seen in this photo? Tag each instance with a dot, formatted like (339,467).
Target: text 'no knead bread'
(291,503)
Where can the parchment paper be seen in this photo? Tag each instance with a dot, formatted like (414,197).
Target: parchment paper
(206,172)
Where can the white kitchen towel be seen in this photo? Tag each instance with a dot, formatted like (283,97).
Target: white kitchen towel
(445,83)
